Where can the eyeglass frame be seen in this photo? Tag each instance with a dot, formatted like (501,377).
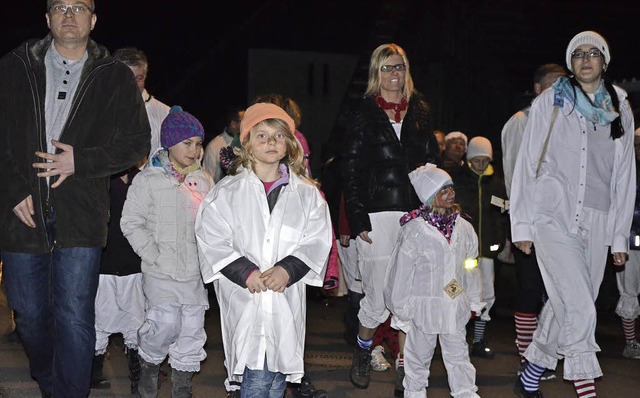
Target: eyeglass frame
(590,54)
(276,137)
(390,68)
(66,7)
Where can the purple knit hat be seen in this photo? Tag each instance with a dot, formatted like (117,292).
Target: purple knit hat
(179,126)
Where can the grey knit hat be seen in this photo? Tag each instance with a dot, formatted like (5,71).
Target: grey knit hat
(427,180)
(588,37)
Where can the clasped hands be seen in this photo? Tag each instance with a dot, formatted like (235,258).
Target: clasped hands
(275,278)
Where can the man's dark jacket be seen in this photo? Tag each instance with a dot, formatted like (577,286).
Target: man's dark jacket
(376,164)
(107,127)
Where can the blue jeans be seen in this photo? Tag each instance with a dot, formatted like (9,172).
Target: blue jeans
(53,298)
(262,383)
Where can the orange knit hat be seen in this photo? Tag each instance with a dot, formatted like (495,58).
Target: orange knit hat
(262,111)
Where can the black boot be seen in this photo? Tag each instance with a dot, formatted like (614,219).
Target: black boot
(181,384)
(148,383)
(98,381)
(351,317)
(360,368)
(306,389)
(134,369)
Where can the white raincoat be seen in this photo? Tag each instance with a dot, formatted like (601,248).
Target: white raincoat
(234,221)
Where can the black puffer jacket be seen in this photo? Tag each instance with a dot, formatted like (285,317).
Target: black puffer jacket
(107,127)
(375,164)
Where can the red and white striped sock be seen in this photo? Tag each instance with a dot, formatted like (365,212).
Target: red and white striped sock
(585,388)
(526,324)
(629,329)
(400,361)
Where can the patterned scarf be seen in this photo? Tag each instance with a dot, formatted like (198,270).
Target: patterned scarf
(602,113)
(442,222)
(161,159)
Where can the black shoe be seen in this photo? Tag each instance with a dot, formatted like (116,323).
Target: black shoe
(306,389)
(480,349)
(233,394)
(360,368)
(98,381)
(518,388)
(398,391)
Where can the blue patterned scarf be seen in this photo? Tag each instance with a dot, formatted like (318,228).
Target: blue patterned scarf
(602,113)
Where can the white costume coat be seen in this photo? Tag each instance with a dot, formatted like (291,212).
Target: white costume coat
(234,221)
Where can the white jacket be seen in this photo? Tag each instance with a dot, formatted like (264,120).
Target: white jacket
(559,192)
(234,221)
(422,264)
(158,220)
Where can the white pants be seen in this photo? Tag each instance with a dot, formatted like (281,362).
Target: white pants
(349,261)
(418,353)
(373,261)
(176,330)
(629,287)
(572,267)
(120,308)
(488,276)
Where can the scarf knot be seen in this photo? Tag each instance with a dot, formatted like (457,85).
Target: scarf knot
(396,107)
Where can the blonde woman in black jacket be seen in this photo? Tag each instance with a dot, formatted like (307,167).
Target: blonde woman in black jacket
(386,136)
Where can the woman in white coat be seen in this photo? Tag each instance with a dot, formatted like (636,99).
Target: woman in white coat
(264,233)
(572,196)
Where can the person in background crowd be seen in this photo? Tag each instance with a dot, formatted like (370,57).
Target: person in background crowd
(211,161)
(137,61)
(628,278)
(431,286)
(120,302)
(481,194)
(158,220)
(441,145)
(572,195)
(262,258)
(387,134)
(70,117)
(530,293)
(453,156)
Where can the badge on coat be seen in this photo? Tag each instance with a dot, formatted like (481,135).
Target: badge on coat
(453,289)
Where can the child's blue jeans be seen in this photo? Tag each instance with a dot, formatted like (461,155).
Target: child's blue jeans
(262,383)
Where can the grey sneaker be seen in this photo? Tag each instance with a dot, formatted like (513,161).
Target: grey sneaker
(632,351)
(360,368)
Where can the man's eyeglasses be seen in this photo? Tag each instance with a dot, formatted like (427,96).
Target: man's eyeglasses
(593,53)
(389,68)
(75,8)
(263,138)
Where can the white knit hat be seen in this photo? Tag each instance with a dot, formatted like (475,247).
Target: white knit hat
(456,134)
(588,37)
(479,146)
(427,180)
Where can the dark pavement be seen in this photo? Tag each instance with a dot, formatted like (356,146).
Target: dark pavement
(329,357)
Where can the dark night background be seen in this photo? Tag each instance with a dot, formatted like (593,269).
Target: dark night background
(474,60)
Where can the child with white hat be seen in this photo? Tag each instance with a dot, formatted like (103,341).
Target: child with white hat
(433,286)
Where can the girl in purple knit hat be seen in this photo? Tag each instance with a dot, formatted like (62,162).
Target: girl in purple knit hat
(158,220)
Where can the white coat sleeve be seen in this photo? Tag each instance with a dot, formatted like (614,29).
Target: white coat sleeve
(136,223)
(472,278)
(315,243)
(397,286)
(625,188)
(214,237)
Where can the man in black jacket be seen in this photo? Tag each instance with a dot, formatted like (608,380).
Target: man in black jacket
(70,117)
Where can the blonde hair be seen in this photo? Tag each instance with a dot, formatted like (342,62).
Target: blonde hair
(294,157)
(379,57)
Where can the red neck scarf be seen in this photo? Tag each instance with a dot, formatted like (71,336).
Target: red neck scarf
(397,108)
